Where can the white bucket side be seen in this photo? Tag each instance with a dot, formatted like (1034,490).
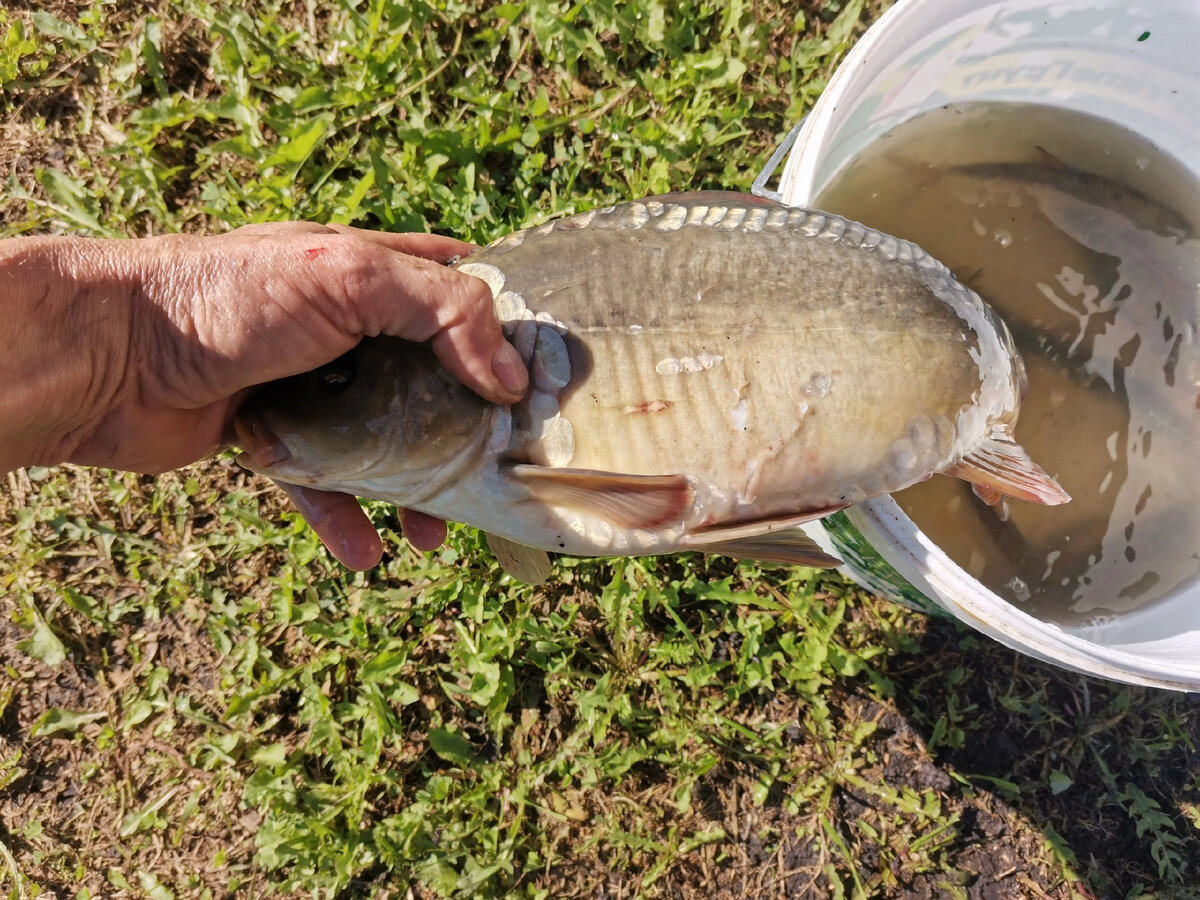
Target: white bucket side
(945,51)
(1158,646)
(1167,662)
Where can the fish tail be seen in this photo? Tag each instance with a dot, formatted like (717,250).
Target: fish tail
(1000,467)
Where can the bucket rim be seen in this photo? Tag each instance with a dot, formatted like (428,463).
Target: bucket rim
(925,565)
(881,521)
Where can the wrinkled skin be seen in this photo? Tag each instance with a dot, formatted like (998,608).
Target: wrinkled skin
(136,354)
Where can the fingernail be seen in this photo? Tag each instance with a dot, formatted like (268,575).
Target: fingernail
(263,448)
(510,370)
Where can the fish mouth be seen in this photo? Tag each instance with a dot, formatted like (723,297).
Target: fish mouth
(266,453)
(263,449)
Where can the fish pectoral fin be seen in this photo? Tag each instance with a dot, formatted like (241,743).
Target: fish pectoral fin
(628,501)
(776,539)
(524,563)
(1001,467)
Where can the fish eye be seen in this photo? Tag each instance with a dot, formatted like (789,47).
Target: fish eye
(337,375)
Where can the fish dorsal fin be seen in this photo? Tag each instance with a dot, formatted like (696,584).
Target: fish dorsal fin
(1001,466)
(775,539)
(527,564)
(1049,160)
(627,501)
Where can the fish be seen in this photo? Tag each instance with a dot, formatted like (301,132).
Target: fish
(1137,255)
(1046,170)
(708,371)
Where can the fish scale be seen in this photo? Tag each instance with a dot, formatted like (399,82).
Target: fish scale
(691,331)
(731,368)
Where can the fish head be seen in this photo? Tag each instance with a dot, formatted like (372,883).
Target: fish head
(385,414)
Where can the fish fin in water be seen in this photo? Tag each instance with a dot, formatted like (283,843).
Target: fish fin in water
(524,563)
(629,501)
(970,279)
(1002,468)
(987,494)
(767,540)
(993,498)
(1048,160)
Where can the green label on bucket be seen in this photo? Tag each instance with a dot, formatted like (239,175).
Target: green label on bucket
(870,570)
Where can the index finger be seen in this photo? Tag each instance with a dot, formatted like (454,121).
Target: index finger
(436,247)
(417,299)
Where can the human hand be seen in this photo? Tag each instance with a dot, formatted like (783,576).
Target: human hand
(176,331)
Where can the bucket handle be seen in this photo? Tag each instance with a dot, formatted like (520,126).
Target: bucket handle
(759,188)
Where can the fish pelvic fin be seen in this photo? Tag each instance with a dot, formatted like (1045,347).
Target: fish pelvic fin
(777,539)
(643,502)
(789,548)
(527,564)
(1000,467)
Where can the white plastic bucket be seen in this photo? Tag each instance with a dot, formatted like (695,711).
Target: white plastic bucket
(1134,63)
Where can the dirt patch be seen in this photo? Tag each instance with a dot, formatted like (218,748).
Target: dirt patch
(1092,738)
(768,851)
(62,113)
(104,800)
(126,795)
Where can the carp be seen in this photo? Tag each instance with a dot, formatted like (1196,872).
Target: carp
(707,371)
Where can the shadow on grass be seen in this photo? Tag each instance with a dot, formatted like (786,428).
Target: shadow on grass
(1107,772)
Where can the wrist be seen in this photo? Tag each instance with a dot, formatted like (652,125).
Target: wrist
(66,325)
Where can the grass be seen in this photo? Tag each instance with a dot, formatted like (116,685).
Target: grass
(196,701)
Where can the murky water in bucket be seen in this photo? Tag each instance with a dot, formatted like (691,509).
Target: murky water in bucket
(1084,237)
